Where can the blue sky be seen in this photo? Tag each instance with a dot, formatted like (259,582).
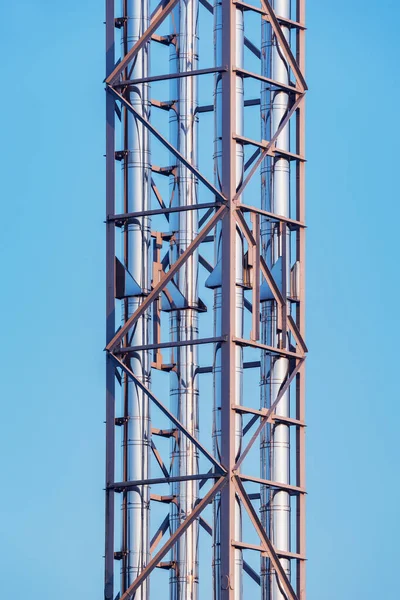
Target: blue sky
(52,300)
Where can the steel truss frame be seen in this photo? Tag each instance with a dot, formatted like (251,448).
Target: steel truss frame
(227,208)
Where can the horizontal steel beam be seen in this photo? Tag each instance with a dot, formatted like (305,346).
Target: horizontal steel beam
(210,107)
(292,223)
(282,20)
(122,486)
(166,433)
(170,344)
(249,74)
(270,349)
(271,150)
(254,364)
(128,217)
(128,82)
(263,412)
(248,546)
(292,489)
(259,548)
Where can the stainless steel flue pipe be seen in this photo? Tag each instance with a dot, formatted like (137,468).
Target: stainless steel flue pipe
(184,289)
(275,197)
(217,281)
(136,173)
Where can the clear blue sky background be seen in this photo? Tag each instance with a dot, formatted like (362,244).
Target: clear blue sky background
(52,307)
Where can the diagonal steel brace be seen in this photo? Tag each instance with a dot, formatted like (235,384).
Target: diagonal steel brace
(265,541)
(269,146)
(168,414)
(268,416)
(284,44)
(164,280)
(165,143)
(158,16)
(168,545)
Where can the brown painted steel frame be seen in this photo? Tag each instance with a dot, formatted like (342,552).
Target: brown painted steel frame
(229,209)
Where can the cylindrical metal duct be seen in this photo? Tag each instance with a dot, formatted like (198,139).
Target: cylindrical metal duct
(239,270)
(275,197)
(136,173)
(184,322)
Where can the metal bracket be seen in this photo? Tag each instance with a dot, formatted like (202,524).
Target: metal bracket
(121,154)
(119,22)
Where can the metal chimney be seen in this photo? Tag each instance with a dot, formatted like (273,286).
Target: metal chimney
(205,350)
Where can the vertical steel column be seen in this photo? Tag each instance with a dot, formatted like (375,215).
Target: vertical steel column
(301,312)
(229,296)
(110,309)
(184,322)
(136,174)
(275,174)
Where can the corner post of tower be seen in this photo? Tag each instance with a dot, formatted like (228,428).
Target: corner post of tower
(228,354)
(301,257)
(110,309)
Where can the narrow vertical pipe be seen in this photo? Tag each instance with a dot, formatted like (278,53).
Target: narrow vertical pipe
(136,174)
(219,382)
(275,197)
(184,322)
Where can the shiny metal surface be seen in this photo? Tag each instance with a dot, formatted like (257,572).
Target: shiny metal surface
(184,322)
(275,197)
(166,283)
(136,175)
(218,106)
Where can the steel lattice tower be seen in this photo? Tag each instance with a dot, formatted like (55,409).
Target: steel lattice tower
(205,429)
